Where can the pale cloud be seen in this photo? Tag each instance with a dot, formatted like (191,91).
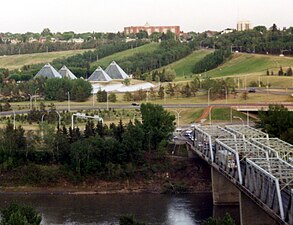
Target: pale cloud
(113,15)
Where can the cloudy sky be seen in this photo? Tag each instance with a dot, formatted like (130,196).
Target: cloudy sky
(113,15)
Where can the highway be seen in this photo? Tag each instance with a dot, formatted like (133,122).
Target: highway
(167,106)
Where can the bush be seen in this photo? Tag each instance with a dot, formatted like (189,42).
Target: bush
(20,215)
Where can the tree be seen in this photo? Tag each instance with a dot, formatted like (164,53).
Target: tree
(185,90)
(277,122)
(161,92)
(126,82)
(227,220)
(170,89)
(289,71)
(157,124)
(16,214)
(128,220)
(46,32)
(112,97)
(81,90)
(281,73)
(101,96)
(170,75)
(128,97)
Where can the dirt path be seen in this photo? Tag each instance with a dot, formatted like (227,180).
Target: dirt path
(205,114)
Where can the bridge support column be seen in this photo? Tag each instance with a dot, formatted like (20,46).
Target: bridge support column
(224,192)
(252,214)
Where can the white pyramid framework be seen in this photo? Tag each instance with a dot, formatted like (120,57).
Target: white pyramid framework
(48,71)
(66,73)
(99,75)
(115,72)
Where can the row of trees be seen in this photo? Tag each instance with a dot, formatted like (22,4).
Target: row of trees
(211,61)
(258,40)
(51,89)
(80,64)
(105,151)
(277,122)
(168,51)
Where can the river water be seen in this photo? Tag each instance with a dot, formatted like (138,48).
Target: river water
(152,209)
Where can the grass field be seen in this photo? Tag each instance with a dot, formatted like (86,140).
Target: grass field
(17,61)
(104,62)
(184,67)
(242,64)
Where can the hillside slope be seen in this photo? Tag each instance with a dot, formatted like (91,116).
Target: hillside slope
(104,62)
(17,61)
(242,63)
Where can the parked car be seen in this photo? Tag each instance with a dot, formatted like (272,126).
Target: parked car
(134,104)
(251,90)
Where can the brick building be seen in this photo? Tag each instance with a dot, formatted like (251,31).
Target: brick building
(151,29)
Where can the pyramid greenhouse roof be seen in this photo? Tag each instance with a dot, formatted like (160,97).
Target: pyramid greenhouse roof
(115,72)
(99,75)
(48,71)
(65,72)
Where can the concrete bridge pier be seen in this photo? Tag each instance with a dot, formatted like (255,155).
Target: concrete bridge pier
(252,214)
(224,192)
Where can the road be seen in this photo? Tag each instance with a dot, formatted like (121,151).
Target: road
(167,106)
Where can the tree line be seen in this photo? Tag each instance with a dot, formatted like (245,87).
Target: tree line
(211,61)
(105,151)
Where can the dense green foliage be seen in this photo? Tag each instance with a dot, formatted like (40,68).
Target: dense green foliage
(107,152)
(129,220)
(169,51)
(277,122)
(258,40)
(57,89)
(16,214)
(80,64)
(226,220)
(211,61)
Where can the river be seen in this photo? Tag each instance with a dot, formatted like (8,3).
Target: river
(152,209)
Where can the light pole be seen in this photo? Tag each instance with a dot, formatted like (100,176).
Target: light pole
(68,96)
(13,119)
(107,102)
(247,118)
(226,94)
(36,96)
(93,99)
(178,116)
(30,101)
(237,117)
(209,96)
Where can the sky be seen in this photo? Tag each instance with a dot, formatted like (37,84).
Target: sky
(112,15)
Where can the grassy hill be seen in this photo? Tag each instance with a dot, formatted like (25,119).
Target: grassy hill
(184,67)
(17,61)
(242,63)
(253,67)
(104,62)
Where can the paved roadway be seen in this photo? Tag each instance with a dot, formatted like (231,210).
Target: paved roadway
(129,106)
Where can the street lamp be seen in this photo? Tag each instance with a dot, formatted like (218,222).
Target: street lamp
(36,96)
(226,95)
(68,95)
(209,96)
(13,119)
(93,99)
(237,117)
(30,101)
(178,116)
(107,102)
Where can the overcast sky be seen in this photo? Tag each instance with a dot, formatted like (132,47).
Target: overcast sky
(113,15)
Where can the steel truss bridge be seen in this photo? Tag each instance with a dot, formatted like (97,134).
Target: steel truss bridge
(257,165)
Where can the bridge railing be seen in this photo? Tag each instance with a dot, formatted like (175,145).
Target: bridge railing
(271,182)
(229,153)
(283,149)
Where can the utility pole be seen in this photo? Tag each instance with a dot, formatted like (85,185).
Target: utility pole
(68,95)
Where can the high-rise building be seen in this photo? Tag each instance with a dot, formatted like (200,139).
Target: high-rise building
(243,25)
(151,29)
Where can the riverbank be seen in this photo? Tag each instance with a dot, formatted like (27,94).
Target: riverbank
(188,176)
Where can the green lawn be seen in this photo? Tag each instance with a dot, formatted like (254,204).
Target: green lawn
(104,62)
(17,61)
(224,114)
(242,64)
(184,67)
